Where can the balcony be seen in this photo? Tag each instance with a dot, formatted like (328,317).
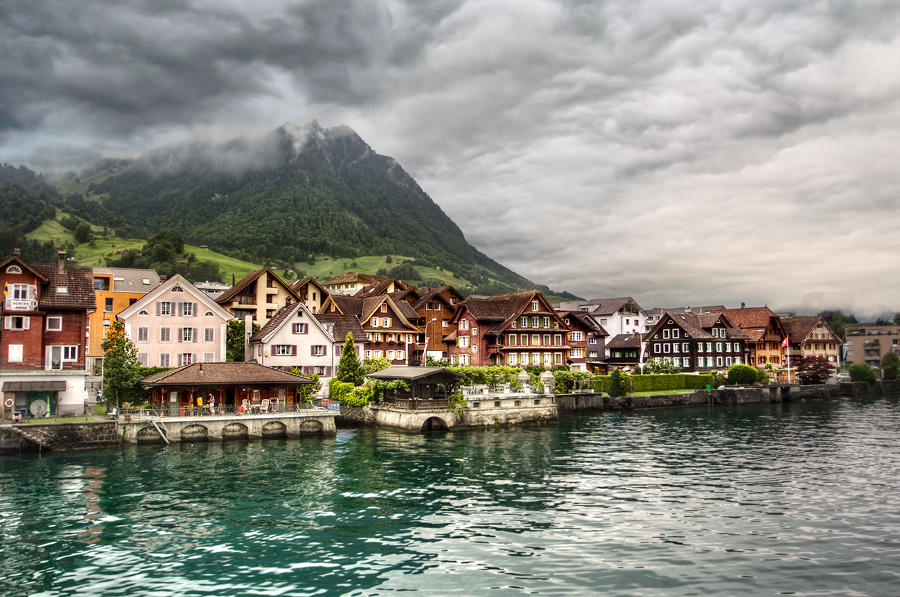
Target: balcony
(19,304)
(245,299)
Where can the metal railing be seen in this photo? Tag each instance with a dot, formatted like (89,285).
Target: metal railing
(155,412)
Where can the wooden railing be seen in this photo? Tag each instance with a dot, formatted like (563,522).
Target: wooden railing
(436,404)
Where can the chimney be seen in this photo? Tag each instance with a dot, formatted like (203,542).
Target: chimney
(742,304)
(201,368)
(17,252)
(61,261)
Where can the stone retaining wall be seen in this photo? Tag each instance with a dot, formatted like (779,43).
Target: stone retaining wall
(86,435)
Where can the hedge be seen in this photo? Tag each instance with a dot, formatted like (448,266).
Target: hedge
(659,383)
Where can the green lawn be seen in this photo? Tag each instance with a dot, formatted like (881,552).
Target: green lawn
(327,268)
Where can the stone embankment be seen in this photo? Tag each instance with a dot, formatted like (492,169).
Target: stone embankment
(59,436)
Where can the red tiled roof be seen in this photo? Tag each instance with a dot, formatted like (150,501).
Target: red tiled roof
(204,374)
(749,317)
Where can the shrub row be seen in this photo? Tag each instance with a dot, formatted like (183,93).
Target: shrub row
(658,383)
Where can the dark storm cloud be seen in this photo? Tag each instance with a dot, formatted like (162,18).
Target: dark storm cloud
(681,152)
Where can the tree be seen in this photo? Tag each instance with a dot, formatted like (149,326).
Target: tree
(349,369)
(741,374)
(234,345)
(83,232)
(890,365)
(374,365)
(616,383)
(121,368)
(813,370)
(862,372)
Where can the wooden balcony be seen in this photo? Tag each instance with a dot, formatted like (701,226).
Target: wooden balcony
(420,405)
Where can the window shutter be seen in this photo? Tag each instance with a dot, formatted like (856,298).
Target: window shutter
(180,336)
(179,359)
(338,351)
(305,328)
(7,323)
(180,308)
(26,323)
(294,350)
(195,309)
(324,350)
(312,351)
(327,371)
(195,335)
(157,308)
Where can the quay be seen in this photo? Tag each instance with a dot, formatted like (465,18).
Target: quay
(145,427)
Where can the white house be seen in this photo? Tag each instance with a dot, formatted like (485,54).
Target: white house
(294,337)
(616,315)
(176,324)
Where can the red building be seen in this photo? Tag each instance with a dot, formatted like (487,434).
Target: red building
(45,310)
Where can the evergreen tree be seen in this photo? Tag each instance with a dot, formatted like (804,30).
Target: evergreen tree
(890,364)
(617,383)
(121,368)
(349,368)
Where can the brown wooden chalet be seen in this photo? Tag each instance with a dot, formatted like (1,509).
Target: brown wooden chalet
(520,328)
(587,341)
(765,334)
(696,342)
(233,385)
(623,351)
(389,332)
(812,336)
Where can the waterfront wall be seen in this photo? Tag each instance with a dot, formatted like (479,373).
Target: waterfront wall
(213,428)
(61,436)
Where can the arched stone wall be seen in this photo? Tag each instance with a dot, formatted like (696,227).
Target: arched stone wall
(312,427)
(194,433)
(148,435)
(235,431)
(274,429)
(434,424)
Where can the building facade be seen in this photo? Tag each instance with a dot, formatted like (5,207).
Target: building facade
(115,289)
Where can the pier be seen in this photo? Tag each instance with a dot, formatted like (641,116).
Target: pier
(146,427)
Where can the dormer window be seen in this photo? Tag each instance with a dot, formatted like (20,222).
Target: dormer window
(535,305)
(62,290)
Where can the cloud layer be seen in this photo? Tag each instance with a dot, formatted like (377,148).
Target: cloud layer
(679,152)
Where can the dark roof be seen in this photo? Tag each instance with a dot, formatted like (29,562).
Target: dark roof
(610,306)
(296,284)
(700,326)
(348,277)
(403,307)
(226,296)
(205,374)
(34,386)
(586,320)
(625,341)
(417,373)
(78,281)
(276,320)
(800,327)
(381,286)
(349,305)
(429,294)
(128,279)
(749,317)
(343,324)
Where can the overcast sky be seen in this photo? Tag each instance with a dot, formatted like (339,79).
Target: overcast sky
(681,152)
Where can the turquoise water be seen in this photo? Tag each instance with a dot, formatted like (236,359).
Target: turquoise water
(781,499)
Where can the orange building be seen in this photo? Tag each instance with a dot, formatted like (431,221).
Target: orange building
(116,288)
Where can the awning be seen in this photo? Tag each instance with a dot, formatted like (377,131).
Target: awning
(34,386)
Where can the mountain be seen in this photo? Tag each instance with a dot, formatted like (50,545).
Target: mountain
(294,192)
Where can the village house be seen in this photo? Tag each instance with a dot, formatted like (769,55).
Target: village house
(520,328)
(259,294)
(587,341)
(389,332)
(296,338)
(310,292)
(115,288)
(813,336)
(175,325)
(765,334)
(870,342)
(616,315)
(696,343)
(44,337)
(623,351)
(350,283)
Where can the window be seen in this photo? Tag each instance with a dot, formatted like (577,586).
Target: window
(557,358)
(283,350)
(676,347)
(685,347)
(686,361)
(164,359)
(728,361)
(177,288)
(17,322)
(546,339)
(54,324)
(376,322)
(463,342)
(665,334)
(524,340)
(300,328)
(185,358)
(592,339)
(108,306)
(535,322)
(384,307)
(186,309)
(377,337)
(401,354)
(718,347)
(368,354)
(464,324)
(390,355)
(164,308)
(577,353)
(318,350)
(474,331)
(546,322)
(187,334)
(143,335)
(578,337)
(445,323)
(143,313)
(718,361)
(675,333)
(209,334)
(165,334)
(16,352)
(208,357)
(208,314)
(535,340)
(592,354)
(523,322)
(557,340)
(512,339)
(376,354)
(534,306)
(474,349)
(656,347)
(386,322)
(709,347)
(512,359)
(536,358)
(667,348)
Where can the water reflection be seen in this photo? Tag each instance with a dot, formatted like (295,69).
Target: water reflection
(742,500)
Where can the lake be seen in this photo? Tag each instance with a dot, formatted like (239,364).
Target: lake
(794,498)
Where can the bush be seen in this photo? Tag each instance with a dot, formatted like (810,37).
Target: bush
(890,364)
(862,372)
(659,383)
(813,370)
(742,375)
(617,381)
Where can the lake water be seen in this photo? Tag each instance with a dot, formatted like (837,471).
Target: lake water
(797,499)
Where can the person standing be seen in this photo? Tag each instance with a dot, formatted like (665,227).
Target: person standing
(212,404)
